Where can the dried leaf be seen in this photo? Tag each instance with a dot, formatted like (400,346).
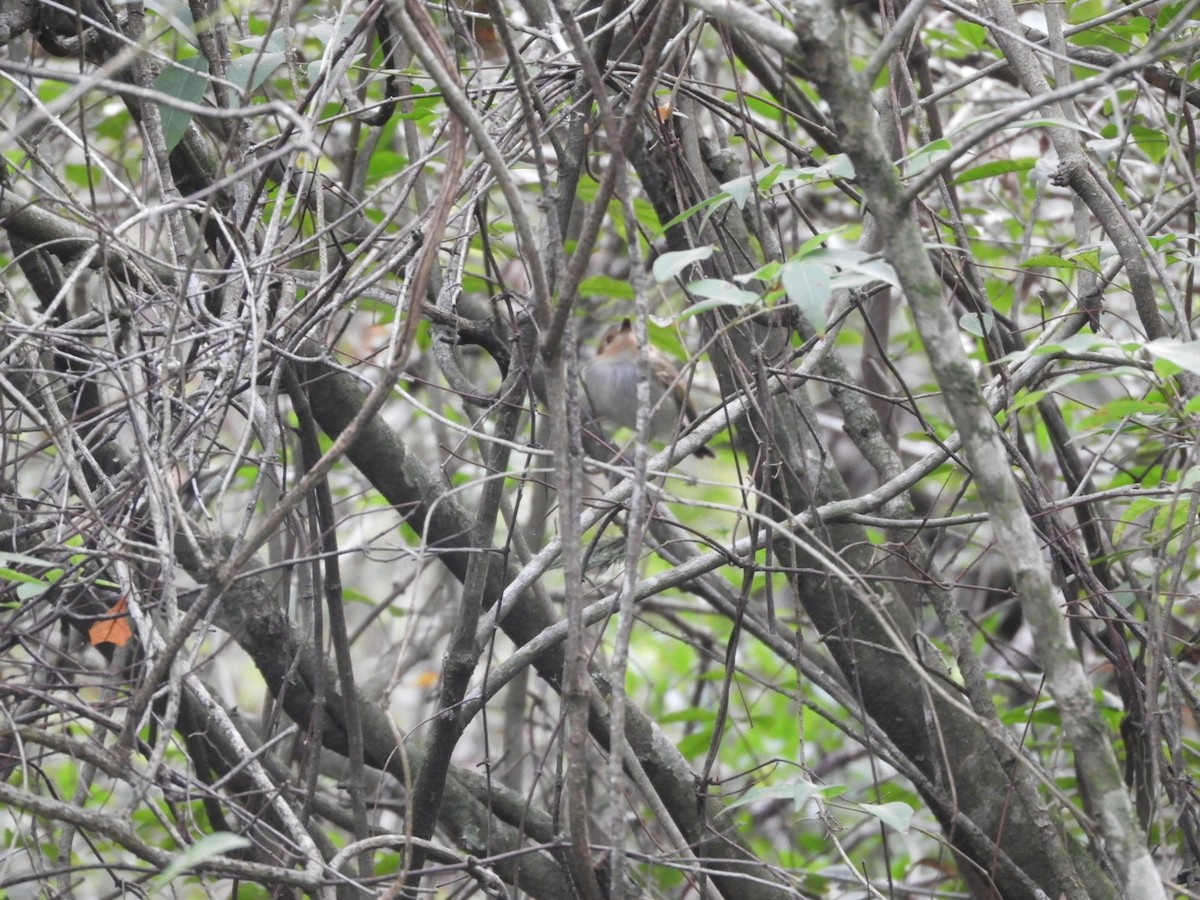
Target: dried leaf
(113,628)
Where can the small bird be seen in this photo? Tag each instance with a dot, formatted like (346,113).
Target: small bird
(611,381)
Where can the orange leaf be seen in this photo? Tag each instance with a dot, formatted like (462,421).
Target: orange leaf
(113,628)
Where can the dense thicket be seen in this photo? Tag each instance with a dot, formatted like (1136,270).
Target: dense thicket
(318,574)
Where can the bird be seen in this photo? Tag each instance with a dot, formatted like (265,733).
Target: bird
(611,381)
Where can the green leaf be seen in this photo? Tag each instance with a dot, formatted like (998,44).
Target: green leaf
(767,178)
(799,791)
(896,815)
(722,292)
(83,174)
(178,15)
(1185,355)
(976,36)
(739,189)
(696,743)
(671,264)
(385,164)
(426,108)
(1026,399)
(1129,518)
(690,714)
(768,272)
(215,844)
(186,80)
(1048,261)
(815,244)
(808,287)
(249,71)
(7,574)
(698,307)
(713,203)
(606,287)
(834,257)
(978,324)
(839,167)
(271,43)
(324,31)
(1049,123)
(867,271)
(993,169)
(21,559)
(924,157)
(773,792)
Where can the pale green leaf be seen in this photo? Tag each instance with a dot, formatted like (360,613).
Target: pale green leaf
(207,847)
(739,189)
(722,292)
(1186,355)
(798,791)
(868,271)
(250,71)
(896,815)
(186,81)
(178,15)
(671,264)
(808,287)
(978,324)
(22,559)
